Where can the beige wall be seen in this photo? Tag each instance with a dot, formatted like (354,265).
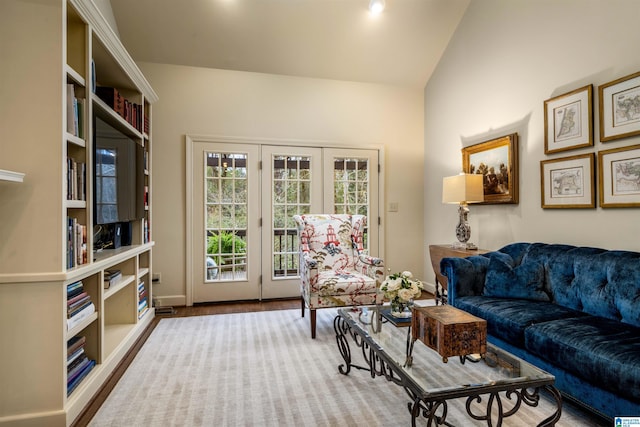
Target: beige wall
(506,58)
(250,105)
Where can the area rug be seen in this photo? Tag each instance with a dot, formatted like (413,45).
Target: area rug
(263,369)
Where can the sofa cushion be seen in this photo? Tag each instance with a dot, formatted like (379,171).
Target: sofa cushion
(507,319)
(525,281)
(601,351)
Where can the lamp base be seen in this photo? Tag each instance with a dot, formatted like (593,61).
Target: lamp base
(466,246)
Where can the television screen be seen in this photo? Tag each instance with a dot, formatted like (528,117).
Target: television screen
(118,176)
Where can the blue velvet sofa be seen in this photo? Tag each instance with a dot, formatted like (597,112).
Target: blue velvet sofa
(572,311)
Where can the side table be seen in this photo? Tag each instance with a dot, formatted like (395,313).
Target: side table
(437,252)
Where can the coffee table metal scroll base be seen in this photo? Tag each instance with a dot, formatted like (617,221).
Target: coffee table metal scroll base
(502,401)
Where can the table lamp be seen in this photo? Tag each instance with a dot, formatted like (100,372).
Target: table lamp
(463,189)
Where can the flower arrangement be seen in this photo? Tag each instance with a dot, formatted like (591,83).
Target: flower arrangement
(401,289)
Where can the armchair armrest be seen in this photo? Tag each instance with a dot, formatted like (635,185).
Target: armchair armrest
(370,266)
(465,276)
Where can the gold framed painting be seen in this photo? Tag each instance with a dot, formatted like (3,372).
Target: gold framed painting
(568,182)
(568,121)
(619,177)
(497,161)
(620,108)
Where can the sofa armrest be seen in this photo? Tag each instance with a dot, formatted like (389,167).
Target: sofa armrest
(465,276)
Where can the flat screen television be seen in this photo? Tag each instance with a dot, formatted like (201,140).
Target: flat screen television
(118,176)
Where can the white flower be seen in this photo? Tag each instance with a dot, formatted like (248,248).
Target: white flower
(405,294)
(407,274)
(393,284)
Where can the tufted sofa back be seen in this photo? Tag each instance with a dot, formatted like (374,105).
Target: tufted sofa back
(596,281)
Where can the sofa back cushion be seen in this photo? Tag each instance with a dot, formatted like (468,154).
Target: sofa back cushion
(525,281)
(596,281)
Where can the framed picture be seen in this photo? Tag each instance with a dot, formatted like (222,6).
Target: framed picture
(620,108)
(568,121)
(619,177)
(568,182)
(497,161)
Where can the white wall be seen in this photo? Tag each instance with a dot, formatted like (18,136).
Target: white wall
(506,58)
(228,103)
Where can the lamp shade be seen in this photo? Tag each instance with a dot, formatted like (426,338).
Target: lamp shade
(462,188)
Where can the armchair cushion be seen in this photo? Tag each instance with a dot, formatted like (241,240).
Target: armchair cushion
(343,282)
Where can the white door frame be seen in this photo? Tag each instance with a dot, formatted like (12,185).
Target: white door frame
(191,139)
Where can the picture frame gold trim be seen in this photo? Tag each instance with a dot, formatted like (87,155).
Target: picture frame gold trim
(619,105)
(568,182)
(568,121)
(497,160)
(618,185)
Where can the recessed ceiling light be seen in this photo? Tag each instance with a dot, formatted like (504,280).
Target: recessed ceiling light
(376,6)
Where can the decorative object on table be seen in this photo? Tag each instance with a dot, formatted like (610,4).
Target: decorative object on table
(401,289)
(497,161)
(620,108)
(449,331)
(619,177)
(568,182)
(568,121)
(463,189)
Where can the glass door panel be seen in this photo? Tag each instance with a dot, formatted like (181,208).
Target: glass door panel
(294,187)
(225,262)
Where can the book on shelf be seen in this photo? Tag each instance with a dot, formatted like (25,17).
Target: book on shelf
(75,355)
(80,376)
(76,179)
(75,320)
(76,243)
(74,289)
(111,277)
(75,112)
(74,368)
(75,343)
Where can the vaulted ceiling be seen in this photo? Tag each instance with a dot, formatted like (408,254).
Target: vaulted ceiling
(329,39)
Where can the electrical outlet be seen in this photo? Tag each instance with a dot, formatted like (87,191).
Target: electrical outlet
(156,278)
(393,206)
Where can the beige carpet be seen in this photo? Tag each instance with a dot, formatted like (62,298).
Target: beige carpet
(263,369)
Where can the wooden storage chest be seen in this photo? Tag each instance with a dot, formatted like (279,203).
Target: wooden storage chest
(449,331)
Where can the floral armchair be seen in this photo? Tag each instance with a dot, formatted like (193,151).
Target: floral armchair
(333,268)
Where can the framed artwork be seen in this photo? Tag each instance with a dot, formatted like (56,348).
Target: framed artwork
(497,161)
(568,182)
(620,108)
(568,121)
(619,177)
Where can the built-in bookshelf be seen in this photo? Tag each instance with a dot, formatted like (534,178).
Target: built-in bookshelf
(64,323)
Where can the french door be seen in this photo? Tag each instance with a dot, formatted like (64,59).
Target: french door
(242,241)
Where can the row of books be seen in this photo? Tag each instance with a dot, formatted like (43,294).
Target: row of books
(76,243)
(130,111)
(75,113)
(78,363)
(76,178)
(143,305)
(79,304)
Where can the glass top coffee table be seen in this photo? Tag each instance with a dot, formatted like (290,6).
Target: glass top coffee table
(494,388)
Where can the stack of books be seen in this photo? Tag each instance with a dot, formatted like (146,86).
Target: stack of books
(111,277)
(143,305)
(78,363)
(79,304)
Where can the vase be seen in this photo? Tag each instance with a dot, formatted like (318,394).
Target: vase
(400,309)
